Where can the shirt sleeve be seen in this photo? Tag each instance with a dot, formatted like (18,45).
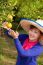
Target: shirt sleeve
(36,51)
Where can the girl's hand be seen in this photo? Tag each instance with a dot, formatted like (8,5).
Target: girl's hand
(13,33)
(4,25)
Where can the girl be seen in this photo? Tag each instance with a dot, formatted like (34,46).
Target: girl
(27,45)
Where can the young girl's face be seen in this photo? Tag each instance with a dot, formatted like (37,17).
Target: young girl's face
(34,34)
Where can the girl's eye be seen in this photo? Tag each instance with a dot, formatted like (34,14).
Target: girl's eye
(33,30)
(36,31)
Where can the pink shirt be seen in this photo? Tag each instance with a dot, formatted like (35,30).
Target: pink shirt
(27,45)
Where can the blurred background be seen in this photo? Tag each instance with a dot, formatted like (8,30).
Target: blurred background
(13,11)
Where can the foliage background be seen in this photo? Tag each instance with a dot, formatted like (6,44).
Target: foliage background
(12,11)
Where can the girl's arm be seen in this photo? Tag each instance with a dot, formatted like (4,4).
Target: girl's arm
(31,52)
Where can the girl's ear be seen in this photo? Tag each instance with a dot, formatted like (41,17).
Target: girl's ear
(41,40)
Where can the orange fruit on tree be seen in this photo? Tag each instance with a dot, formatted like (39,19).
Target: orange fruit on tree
(9,25)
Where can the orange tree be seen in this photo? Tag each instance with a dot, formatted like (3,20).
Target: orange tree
(6,10)
(32,9)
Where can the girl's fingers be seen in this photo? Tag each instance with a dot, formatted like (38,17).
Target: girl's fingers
(4,25)
(13,33)
(17,33)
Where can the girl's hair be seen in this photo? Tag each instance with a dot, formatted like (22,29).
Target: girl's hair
(41,40)
(32,27)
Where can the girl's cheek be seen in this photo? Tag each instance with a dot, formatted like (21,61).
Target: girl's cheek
(37,35)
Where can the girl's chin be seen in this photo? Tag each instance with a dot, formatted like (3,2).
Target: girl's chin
(31,39)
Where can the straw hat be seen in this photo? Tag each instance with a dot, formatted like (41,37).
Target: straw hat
(25,24)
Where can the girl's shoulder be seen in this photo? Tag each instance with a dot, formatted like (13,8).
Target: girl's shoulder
(38,45)
(22,37)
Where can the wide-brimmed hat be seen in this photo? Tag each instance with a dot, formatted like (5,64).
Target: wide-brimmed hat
(25,24)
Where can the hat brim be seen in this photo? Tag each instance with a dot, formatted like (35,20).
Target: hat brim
(25,24)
